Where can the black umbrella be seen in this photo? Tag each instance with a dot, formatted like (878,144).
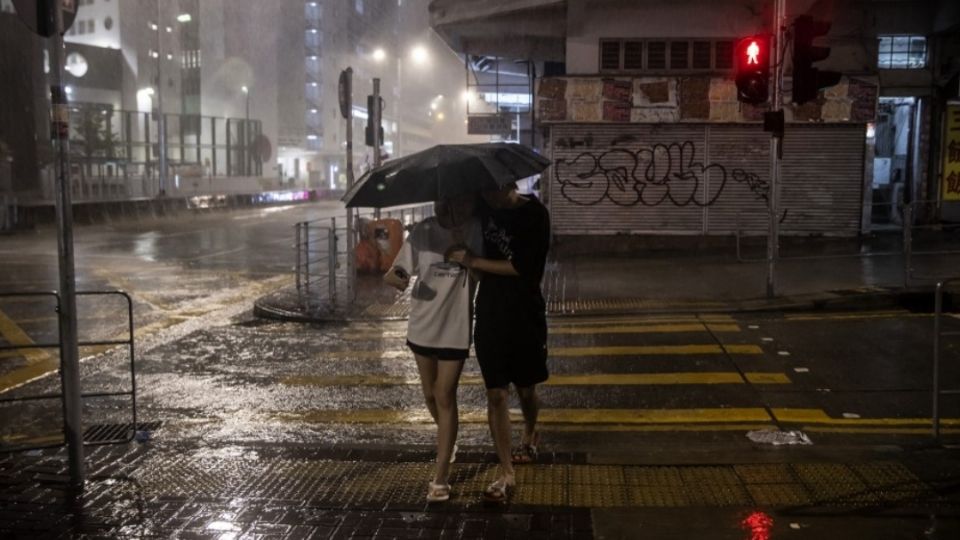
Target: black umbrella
(444,171)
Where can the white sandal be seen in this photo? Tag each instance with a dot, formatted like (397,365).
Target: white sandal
(438,492)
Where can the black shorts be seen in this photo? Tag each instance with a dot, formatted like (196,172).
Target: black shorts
(501,364)
(438,353)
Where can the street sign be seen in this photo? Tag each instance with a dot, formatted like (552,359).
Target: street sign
(40,18)
(345,92)
(489,124)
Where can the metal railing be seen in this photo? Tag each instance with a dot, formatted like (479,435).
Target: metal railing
(938,334)
(322,275)
(8,212)
(128,342)
(906,248)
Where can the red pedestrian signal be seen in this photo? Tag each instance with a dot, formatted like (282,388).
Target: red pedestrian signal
(752,62)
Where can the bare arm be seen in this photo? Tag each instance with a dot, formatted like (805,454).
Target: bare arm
(490,266)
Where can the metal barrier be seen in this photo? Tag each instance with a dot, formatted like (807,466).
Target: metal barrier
(128,342)
(321,268)
(906,251)
(938,333)
(8,212)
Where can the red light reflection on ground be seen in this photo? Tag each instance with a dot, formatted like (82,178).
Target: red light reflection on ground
(759,524)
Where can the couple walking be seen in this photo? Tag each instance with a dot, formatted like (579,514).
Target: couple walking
(501,243)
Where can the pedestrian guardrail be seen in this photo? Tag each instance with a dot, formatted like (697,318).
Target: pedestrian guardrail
(118,436)
(8,212)
(322,273)
(938,335)
(906,249)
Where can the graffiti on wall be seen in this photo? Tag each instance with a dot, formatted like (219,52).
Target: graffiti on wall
(650,176)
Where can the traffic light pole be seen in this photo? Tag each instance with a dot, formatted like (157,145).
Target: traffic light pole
(67,313)
(773,231)
(375,115)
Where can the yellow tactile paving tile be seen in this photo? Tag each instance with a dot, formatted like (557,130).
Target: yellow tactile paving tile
(578,329)
(604,379)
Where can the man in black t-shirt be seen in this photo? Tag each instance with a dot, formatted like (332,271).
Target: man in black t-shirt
(510,333)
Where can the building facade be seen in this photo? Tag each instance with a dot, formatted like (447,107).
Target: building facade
(647,135)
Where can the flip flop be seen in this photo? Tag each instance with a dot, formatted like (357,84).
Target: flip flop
(438,492)
(500,491)
(526,452)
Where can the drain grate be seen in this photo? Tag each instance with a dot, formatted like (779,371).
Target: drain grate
(116,433)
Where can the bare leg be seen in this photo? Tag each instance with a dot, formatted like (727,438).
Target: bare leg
(428,378)
(530,405)
(498,414)
(445,396)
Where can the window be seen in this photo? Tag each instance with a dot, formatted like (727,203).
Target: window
(108,23)
(91,26)
(609,55)
(358,5)
(665,55)
(902,52)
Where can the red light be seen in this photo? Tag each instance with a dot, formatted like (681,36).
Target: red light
(759,524)
(753,52)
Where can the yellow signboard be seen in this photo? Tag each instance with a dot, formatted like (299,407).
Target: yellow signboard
(951,155)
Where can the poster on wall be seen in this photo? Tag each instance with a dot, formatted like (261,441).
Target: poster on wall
(951,155)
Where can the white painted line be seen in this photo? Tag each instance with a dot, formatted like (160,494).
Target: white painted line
(767,339)
(801,370)
(851,415)
(783,353)
(753,326)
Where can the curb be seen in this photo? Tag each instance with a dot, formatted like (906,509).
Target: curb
(915,299)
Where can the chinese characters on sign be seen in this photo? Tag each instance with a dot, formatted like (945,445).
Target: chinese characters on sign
(951,155)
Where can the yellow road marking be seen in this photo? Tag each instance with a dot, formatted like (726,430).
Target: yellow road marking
(854,316)
(653,319)
(646,329)
(567,330)
(818,416)
(925,431)
(39,361)
(546,416)
(567,352)
(616,379)
(642,350)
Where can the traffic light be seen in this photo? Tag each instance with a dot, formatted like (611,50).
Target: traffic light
(752,62)
(808,80)
(374,117)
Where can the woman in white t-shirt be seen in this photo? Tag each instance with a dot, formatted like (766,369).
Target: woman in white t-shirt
(441,314)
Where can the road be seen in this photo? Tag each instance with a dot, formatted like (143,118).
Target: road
(642,412)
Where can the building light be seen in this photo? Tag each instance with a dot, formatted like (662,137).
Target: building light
(379,55)
(314,111)
(313,30)
(153,26)
(314,84)
(311,137)
(184,18)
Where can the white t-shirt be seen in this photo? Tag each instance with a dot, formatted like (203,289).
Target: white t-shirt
(441,299)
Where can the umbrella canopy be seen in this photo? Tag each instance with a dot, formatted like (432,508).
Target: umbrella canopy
(444,171)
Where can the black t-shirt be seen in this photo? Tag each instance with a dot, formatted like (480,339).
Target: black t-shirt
(522,236)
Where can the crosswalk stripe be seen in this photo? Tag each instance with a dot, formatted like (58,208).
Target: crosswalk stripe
(646,329)
(820,417)
(853,316)
(570,352)
(603,379)
(647,350)
(576,330)
(546,416)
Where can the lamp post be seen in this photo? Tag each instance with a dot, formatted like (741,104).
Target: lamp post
(161,120)
(246,131)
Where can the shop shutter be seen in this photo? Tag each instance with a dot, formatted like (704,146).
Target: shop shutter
(822,173)
(610,179)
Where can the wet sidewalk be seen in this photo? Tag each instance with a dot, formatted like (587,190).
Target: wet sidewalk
(151,490)
(663,275)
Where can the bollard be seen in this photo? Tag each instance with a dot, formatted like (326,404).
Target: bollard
(937,309)
(907,244)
